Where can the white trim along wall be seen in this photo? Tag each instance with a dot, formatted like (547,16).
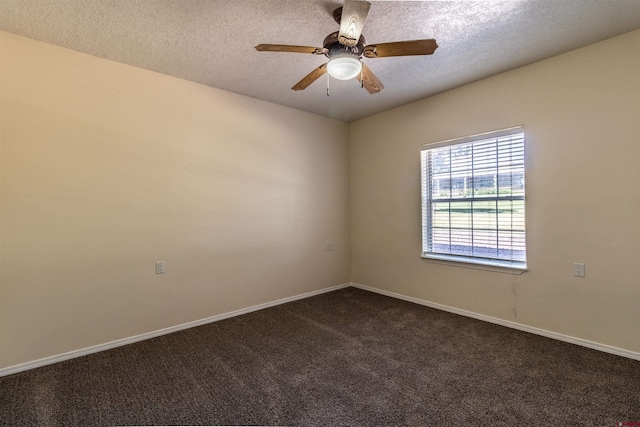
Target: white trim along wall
(130,340)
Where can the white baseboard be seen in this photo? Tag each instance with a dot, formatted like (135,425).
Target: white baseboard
(509,324)
(118,343)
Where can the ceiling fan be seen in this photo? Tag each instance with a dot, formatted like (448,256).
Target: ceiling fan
(345,49)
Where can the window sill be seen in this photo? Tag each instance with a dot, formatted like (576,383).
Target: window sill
(467,262)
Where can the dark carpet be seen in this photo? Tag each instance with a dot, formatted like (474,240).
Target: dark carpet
(349,357)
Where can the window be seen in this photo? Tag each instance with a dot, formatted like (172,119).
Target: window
(473,199)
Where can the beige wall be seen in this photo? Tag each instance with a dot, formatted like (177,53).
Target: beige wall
(581,113)
(107,168)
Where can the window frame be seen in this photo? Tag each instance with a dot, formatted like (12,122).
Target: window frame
(491,263)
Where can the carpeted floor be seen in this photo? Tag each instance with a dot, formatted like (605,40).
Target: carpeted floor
(349,357)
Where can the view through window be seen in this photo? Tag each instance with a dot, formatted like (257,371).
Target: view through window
(473,199)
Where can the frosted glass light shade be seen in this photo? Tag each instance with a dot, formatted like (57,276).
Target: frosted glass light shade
(344,68)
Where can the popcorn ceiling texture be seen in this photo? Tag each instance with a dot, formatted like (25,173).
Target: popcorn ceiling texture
(211,41)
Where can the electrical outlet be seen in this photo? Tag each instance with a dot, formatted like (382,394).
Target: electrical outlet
(331,246)
(159,267)
(578,269)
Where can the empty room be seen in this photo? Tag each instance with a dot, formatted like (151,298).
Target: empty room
(319,212)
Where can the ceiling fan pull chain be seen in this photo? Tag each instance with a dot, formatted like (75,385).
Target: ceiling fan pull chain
(328,84)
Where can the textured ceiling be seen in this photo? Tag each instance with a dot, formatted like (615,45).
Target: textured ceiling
(212,41)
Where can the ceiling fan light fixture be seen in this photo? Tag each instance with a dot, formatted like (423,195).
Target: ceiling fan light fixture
(344,68)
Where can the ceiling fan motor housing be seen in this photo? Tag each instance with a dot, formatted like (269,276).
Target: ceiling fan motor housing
(335,49)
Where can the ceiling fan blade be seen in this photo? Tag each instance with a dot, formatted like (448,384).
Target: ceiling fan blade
(290,48)
(311,77)
(413,47)
(369,80)
(354,15)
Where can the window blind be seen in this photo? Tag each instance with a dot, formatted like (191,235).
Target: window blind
(473,196)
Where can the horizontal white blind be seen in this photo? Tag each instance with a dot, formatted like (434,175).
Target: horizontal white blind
(473,199)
